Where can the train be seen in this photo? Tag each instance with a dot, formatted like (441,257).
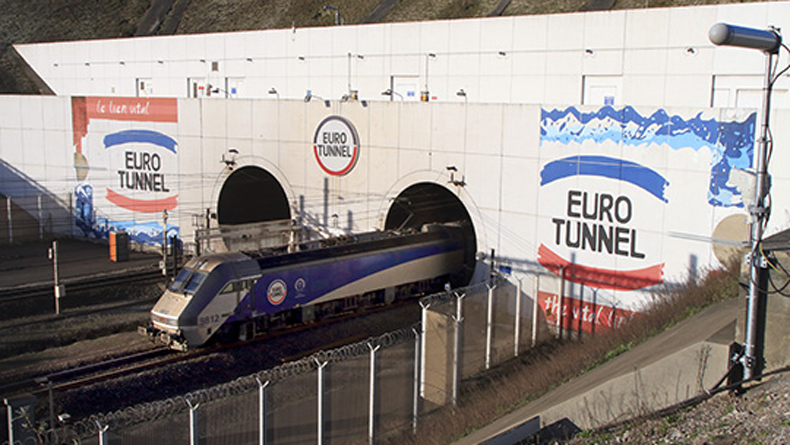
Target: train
(236,296)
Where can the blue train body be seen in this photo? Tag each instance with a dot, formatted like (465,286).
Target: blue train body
(241,294)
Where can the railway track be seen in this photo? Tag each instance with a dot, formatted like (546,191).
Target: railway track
(75,378)
(39,290)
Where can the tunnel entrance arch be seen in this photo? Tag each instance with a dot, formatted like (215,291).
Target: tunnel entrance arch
(253,210)
(427,202)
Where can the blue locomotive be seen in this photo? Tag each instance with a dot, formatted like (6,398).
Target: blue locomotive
(239,295)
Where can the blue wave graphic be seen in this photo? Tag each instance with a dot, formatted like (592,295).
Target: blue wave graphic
(606,167)
(731,143)
(143,136)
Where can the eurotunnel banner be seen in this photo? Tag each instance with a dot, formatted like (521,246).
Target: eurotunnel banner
(619,190)
(125,161)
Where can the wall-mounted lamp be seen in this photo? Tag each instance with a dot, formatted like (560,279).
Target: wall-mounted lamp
(122,62)
(273,90)
(229,158)
(301,58)
(391,94)
(502,53)
(691,50)
(87,64)
(432,55)
(160,61)
(453,169)
(202,60)
(461,93)
(309,96)
(589,52)
(249,59)
(56,64)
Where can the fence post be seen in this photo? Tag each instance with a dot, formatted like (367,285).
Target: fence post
(417,366)
(40,219)
(261,411)
(535,297)
(517,327)
(489,324)
(423,328)
(320,422)
(59,291)
(193,423)
(372,399)
(458,318)
(102,432)
(561,297)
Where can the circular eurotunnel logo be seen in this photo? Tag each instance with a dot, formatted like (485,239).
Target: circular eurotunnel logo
(276,292)
(336,145)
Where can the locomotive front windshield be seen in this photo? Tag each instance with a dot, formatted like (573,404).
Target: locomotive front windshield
(187,282)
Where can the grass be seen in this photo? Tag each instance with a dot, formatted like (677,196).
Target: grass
(526,378)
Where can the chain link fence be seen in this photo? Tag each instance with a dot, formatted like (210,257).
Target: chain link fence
(354,394)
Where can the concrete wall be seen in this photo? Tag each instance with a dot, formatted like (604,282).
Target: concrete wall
(526,174)
(650,57)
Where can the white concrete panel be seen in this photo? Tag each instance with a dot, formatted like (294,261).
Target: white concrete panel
(403,38)
(604,30)
(644,90)
(11,111)
(497,89)
(32,113)
(465,35)
(563,89)
(484,129)
(344,40)
(521,131)
(646,28)
(495,64)
(531,63)
(483,176)
(463,64)
(415,125)
(57,113)
(434,37)
(528,89)
(753,16)
(565,32)
(496,34)
(235,46)
(530,33)
(11,141)
(690,61)
(690,91)
(652,61)
(213,118)
(516,241)
(564,63)
(239,119)
(448,123)
(607,62)
(371,40)
(688,27)
(520,179)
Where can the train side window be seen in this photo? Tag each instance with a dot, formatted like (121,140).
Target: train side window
(227,289)
(238,286)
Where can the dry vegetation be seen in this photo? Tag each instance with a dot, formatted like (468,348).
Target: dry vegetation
(528,377)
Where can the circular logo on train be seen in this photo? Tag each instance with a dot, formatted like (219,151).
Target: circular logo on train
(336,145)
(276,292)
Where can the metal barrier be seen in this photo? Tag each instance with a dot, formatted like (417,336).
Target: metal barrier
(353,394)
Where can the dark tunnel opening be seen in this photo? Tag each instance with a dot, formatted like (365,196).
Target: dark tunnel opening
(425,203)
(250,195)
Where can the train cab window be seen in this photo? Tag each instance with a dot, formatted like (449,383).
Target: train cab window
(227,289)
(194,282)
(179,281)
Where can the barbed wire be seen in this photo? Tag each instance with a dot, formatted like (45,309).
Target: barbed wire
(162,409)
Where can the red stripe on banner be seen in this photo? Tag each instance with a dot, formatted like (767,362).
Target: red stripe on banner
(142,205)
(600,278)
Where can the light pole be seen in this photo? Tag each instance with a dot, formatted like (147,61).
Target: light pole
(768,41)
